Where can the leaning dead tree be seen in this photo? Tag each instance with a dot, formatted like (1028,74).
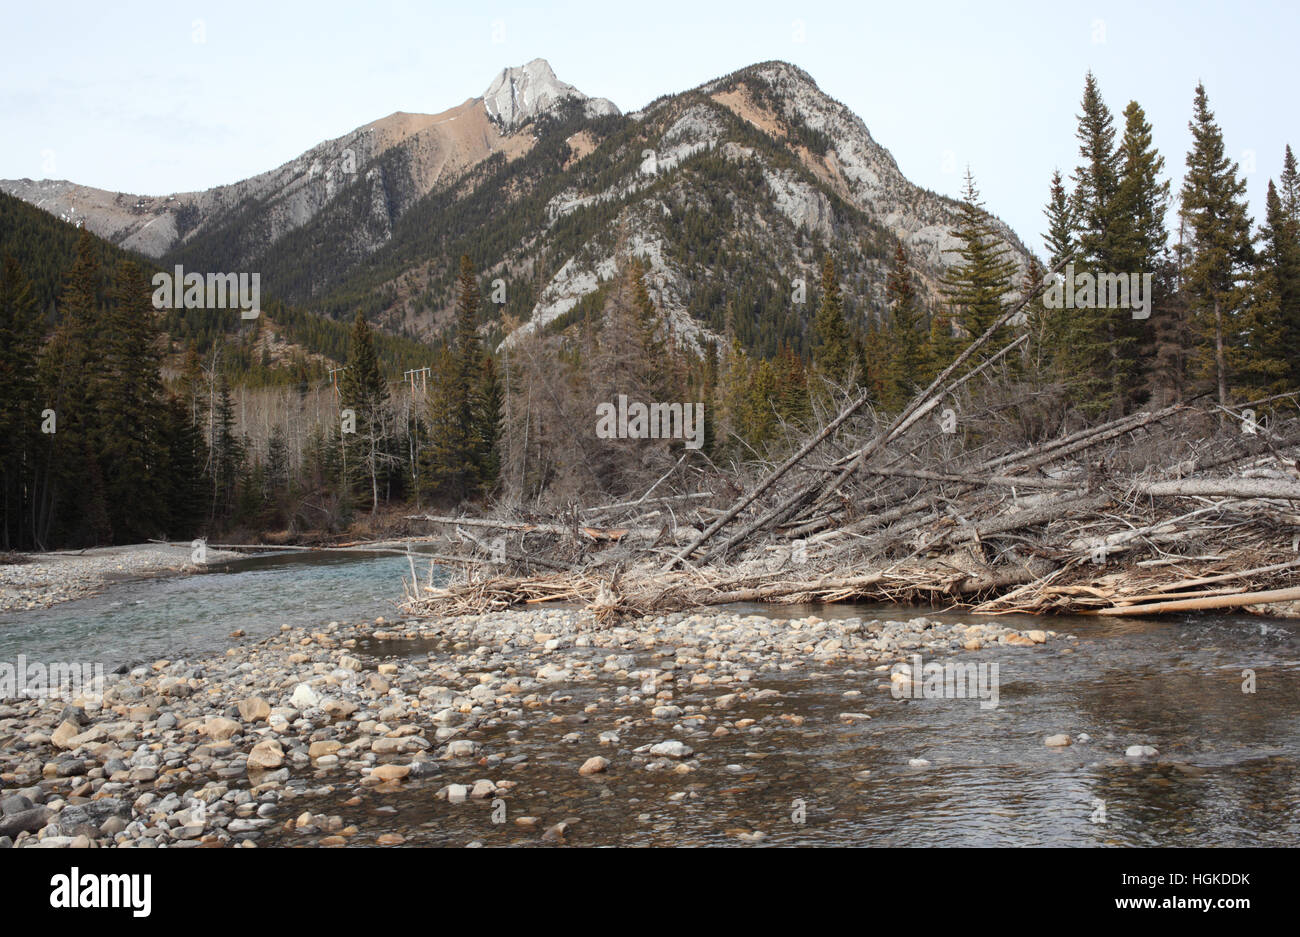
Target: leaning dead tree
(1157,511)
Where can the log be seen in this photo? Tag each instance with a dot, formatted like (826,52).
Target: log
(1007,481)
(1237,600)
(1225,488)
(1228,577)
(1029,518)
(767,482)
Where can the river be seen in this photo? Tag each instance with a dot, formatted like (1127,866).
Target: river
(1226,773)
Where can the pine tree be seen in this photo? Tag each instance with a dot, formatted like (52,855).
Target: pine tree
(187,492)
(1263,362)
(73,507)
(228,455)
(365,392)
(457,463)
(1101,352)
(1142,201)
(1282,239)
(1049,327)
(130,416)
(905,339)
(975,287)
(1220,245)
(833,351)
(19,402)
(1062,242)
(489,406)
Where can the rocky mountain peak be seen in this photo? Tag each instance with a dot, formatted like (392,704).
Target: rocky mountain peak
(519,94)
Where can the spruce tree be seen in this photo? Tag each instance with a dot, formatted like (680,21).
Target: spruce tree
(974,288)
(365,392)
(456,463)
(906,340)
(833,351)
(1049,327)
(72,506)
(19,402)
(1101,351)
(1282,240)
(1219,241)
(1263,362)
(131,414)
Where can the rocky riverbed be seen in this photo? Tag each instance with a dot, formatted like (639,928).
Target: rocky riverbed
(245,748)
(46,579)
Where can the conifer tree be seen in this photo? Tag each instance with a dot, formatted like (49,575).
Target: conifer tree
(227,461)
(974,288)
(72,506)
(1282,240)
(906,340)
(365,392)
(1142,200)
(461,457)
(833,351)
(1219,241)
(131,415)
(19,402)
(186,491)
(1049,327)
(1101,351)
(1263,361)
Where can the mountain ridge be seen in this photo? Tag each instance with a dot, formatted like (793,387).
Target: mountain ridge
(726,192)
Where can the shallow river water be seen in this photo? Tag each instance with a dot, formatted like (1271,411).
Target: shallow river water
(1226,772)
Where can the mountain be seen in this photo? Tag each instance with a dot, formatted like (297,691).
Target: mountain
(729,193)
(432,148)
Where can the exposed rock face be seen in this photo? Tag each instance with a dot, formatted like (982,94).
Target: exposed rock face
(517,95)
(728,190)
(781,101)
(419,153)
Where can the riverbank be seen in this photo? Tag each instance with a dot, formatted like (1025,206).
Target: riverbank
(235,749)
(46,579)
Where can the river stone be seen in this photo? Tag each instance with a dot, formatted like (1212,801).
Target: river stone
(672,749)
(324,747)
(391,772)
(62,736)
(461,748)
(304,697)
(594,765)
(266,755)
(1057,741)
(15,803)
(338,708)
(220,728)
(456,793)
(1140,751)
(254,709)
(74,714)
(25,821)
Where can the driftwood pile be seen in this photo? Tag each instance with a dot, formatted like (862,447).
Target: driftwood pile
(1175,508)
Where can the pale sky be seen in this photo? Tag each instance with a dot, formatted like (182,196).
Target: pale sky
(154,98)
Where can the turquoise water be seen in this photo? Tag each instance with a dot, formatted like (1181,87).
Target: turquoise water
(183,616)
